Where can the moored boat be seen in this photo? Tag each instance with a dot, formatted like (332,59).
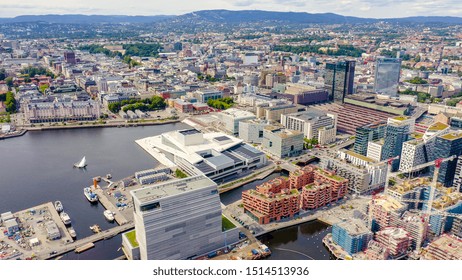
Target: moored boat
(59,206)
(72,232)
(91,196)
(95,228)
(109,215)
(65,218)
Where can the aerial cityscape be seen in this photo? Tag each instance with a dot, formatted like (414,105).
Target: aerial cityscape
(231,134)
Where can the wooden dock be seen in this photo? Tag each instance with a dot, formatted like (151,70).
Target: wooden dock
(106,234)
(119,218)
(84,247)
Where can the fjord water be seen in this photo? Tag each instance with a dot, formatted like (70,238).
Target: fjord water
(38,167)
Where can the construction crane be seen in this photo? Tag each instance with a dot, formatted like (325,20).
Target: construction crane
(429,211)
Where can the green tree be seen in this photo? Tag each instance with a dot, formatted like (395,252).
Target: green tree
(9,82)
(10,102)
(2,74)
(43,88)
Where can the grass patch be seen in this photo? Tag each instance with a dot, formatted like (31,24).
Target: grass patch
(131,236)
(180,174)
(226,224)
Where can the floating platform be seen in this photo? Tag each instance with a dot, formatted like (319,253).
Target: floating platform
(85,247)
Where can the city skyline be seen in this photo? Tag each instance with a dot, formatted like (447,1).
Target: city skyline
(362,8)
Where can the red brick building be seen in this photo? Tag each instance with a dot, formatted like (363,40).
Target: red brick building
(272,201)
(281,197)
(319,187)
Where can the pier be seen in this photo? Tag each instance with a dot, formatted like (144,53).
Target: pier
(119,218)
(106,234)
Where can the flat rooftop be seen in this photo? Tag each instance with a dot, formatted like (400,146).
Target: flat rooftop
(171,188)
(309,115)
(452,136)
(354,227)
(356,155)
(449,244)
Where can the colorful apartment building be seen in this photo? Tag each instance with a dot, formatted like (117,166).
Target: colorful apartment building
(307,188)
(318,187)
(396,240)
(446,247)
(383,211)
(272,201)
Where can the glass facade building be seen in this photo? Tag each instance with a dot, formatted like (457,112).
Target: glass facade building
(339,80)
(368,133)
(387,73)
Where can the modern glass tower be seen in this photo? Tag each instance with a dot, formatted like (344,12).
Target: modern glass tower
(448,145)
(397,133)
(368,133)
(339,80)
(387,73)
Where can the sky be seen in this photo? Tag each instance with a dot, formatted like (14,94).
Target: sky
(359,8)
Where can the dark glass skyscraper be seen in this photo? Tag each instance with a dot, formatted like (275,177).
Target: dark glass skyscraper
(446,146)
(368,133)
(396,134)
(339,80)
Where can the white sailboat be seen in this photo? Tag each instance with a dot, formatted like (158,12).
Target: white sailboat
(81,164)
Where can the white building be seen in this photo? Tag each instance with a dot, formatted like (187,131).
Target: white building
(310,122)
(62,111)
(216,155)
(354,163)
(374,150)
(252,130)
(179,219)
(231,118)
(413,154)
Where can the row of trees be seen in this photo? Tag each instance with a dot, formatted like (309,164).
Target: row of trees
(422,97)
(309,143)
(221,103)
(148,104)
(30,72)
(347,50)
(417,81)
(10,102)
(308,39)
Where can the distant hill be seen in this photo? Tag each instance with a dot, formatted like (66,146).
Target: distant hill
(225,16)
(82,19)
(228,17)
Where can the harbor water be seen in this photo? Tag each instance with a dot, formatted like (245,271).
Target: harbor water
(38,167)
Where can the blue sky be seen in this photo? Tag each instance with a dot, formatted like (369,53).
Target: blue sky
(360,8)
